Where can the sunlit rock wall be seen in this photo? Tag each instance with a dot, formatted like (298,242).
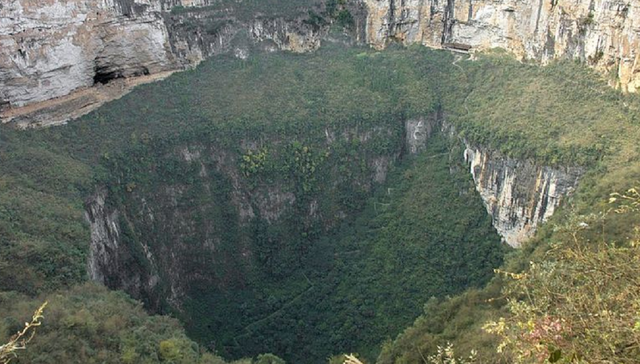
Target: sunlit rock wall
(51,48)
(602,33)
(519,194)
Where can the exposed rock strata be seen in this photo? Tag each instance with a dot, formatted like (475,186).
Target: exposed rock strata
(602,33)
(52,49)
(519,195)
(49,49)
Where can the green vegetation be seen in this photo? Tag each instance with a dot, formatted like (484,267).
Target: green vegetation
(311,127)
(88,324)
(302,294)
(316,13)
(369,278)
(560,114)
(326,261)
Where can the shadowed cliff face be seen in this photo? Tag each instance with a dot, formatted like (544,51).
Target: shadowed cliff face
(604,34)
(199,214)
(241,243)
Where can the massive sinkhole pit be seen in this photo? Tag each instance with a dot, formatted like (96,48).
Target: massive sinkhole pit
(304,205)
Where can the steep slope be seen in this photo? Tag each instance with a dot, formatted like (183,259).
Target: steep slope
(241,228)
(66,48)
(603,34)
(226,162)
(53,55)
(232,210)
(560,114)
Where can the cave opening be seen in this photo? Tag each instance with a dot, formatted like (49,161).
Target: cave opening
(104,75)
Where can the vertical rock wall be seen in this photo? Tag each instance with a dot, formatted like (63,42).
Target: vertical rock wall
(519,195)
(111,263)
(602,33)
(51,48)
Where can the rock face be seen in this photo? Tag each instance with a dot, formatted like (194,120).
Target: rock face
(50,49)
(519,195)
(109,259)
(603,33)
(53,48)
(418,131)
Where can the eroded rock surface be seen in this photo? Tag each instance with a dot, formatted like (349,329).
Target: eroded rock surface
(51,49)
(519,194)
(602,33)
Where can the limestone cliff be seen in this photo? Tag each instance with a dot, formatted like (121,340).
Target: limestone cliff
(518,194)
(51,49)
(602,33)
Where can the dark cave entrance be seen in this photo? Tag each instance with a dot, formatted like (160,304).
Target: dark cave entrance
(104,75)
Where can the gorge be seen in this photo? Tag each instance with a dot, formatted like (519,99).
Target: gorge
(308,202)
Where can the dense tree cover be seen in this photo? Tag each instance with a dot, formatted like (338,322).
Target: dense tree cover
(354,284)
(558,114)
(285,105)
(368,279)
(310,126)
(46,174)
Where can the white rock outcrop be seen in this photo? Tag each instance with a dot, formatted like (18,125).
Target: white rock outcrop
(519,194)
(602,33)
(50,48)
